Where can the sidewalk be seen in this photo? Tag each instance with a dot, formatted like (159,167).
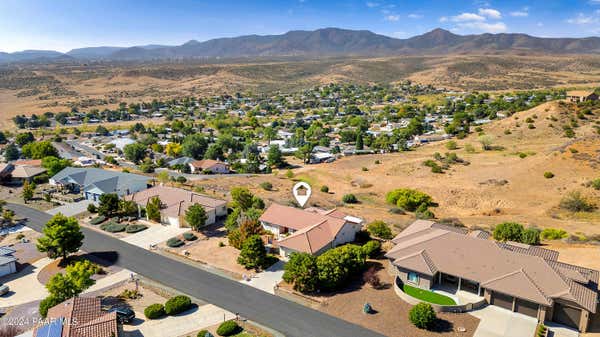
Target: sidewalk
(267,279)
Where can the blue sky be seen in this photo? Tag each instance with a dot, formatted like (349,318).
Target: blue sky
(66,24)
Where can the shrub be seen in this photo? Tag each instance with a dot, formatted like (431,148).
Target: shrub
(451,145)
(228,328)
(177,304)
(470,148)
(595,184)
(422,315)
(301,272)
(423,212)
(349,198)
(364,169)
(154,311)
(522,155)
(372,248)
(129,294)
(370,277)
(267,186)
(508,231)
(113,227)
(408,199)
(530,236)
(576,202)
(380,229)
(553,234)
(92,208)
(325,188)
(377,162)
(548,175)
(253,253)
(189,236)
(204,333)
(175,242)
(98,220)
(134,228)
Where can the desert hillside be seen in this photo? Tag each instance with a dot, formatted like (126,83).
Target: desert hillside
(503,184)
(37,88)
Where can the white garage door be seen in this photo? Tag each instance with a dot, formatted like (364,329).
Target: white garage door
(5,270)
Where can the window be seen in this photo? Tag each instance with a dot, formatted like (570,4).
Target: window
(413,277)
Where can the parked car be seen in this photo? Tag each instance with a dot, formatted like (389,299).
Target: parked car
(124,315)
(4,289)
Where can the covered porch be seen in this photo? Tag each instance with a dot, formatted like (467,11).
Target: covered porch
(460,289)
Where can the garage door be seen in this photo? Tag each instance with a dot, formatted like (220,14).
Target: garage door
(566,315)
(502,300)
(5,270)
(527,308)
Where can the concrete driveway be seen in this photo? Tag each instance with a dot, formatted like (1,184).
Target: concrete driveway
(71,209)
(498,322)
(179,325)
(153,235)
(267,279)
(24,285)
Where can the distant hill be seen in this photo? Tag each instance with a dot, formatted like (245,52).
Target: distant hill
(328,42)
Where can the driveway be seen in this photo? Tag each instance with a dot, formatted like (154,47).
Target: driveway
(153,235)
(182,324)
(498,322)
(267,279)
(71,209)
(24,285)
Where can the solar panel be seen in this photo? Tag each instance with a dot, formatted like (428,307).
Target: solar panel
(53,329)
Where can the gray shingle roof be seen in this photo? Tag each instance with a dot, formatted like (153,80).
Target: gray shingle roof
(107,181)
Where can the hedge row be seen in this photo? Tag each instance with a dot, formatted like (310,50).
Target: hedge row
(173,306)
(175,242)
(113,227)
(98,220)
(134,228)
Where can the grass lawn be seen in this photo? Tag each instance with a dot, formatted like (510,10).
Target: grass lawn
(427,296)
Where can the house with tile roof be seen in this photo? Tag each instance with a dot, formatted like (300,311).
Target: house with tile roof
(93,182)
(209,165)
(312,230)
(79,317)
(176,201)
(577,96)
(521,278)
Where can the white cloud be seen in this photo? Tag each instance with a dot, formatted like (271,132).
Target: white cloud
(415,16)
(372,4)
(490,13)
(444,19)
(519,13)
(467,17)
(582,19)
(391,17)
(485,27)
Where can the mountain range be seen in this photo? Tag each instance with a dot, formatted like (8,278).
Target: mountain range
(326,42)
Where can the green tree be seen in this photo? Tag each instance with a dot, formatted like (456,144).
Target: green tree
(39,150)
(275,157)
(24,138)
(304,153)
(62,236)
(77,278)
(102,131)
(422,315)
(196,216)
(215,152)
(380,229)
(253,254)
(336,265)
(301,271)
(53,165)
(28,190)
(408,199)
(163,177)
(241,198)
(530,236)
(508,231)
(194,146)
(135,152)
(153,209)
(109,204)
(11,152)
(128,208)
(359,141)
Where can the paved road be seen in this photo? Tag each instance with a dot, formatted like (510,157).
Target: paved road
(291,319)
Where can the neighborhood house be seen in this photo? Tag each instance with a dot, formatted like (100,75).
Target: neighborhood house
(577,96)
(310,230)
(79,317)
(93,182)
(526,279)
(176,201)
(7,261)
(209,165)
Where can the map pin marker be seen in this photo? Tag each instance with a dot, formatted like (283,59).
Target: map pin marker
(302,193)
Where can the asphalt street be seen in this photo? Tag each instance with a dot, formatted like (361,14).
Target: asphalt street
(289,318)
